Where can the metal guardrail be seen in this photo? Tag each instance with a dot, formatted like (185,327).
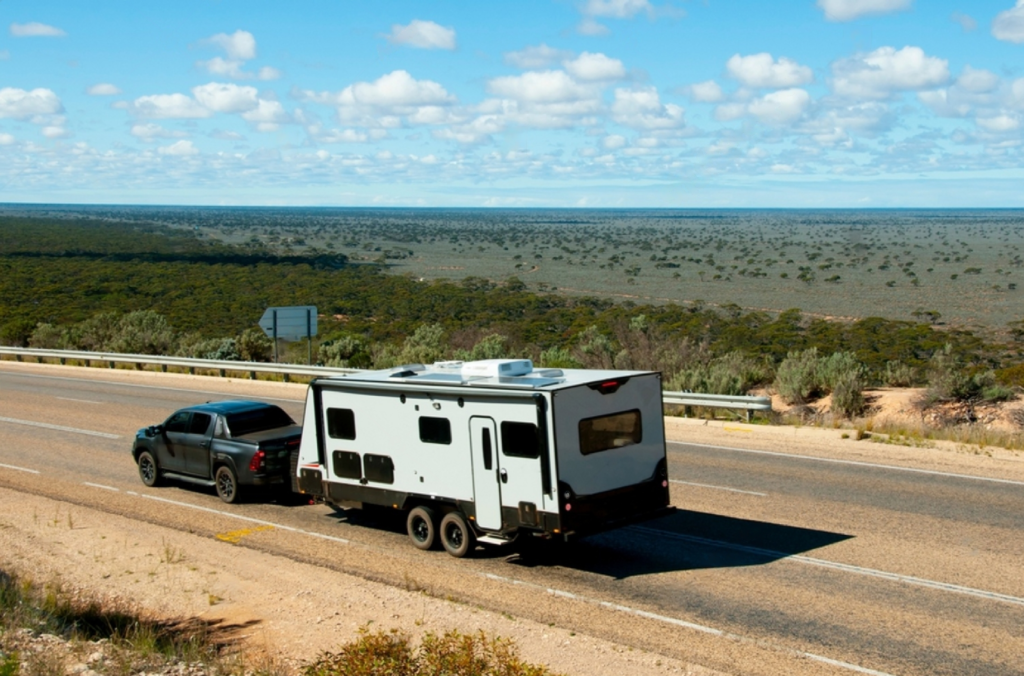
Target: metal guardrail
(724,401)
(191,365)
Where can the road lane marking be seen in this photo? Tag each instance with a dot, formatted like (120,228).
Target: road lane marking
(857,463)
(106,488)
(834,565)
(249,519)
(80,401)
(675,621)
(235,536)
(60,428)
(720,488)
(20,469)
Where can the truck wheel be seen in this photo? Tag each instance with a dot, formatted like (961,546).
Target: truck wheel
(456,535)
(421,526)
(227,484)
(148,471)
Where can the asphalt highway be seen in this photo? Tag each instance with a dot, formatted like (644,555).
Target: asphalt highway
(775,563)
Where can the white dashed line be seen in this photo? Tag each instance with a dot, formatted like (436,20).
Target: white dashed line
(60,428)
(106,488)
(719,488)
(80,401)
(20,469)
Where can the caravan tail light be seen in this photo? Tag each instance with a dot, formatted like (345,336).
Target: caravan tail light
(258,462)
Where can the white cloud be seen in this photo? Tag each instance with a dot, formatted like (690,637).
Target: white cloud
(179,148)
(548,86)
(616,9)
(168,106)
(848,10)
(887,71)
(422,34)
(535,57)
(226,67)
(762,71)
(268,73)
(35,30)
(641,108)
(479,130)
(239,46)
(397,88)
(977,80)
(55,131)
(1009,24)
(613,142)
(730,111)
(782,107)
(706,92)
(1000,123)
(966,22)
(343,136)
(588,66)
(226,98)
(6,139)
(150,131)
(20,104)
(103,89)
(592,28)
(267,116)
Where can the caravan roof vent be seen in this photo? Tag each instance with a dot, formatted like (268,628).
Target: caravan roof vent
(497,368)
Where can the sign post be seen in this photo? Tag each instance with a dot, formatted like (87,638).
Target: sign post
(290,323)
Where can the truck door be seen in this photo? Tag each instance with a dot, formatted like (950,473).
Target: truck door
(486,486)
(197,445)
(170,451)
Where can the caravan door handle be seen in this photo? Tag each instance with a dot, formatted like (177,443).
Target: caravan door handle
(504,475)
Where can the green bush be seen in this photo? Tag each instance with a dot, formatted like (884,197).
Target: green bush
(558,358)
(898,374)
(949,379)
(344,352)
(848,395)
(796,379)
(733,373)
(253,345)
(453,654)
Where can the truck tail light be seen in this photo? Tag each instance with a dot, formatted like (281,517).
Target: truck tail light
(258,462)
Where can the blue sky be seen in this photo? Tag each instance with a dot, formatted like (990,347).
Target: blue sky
(596,103)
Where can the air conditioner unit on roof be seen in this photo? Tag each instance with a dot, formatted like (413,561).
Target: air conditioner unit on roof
(497,368)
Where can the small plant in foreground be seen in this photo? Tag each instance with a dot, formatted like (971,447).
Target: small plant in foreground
(455,654)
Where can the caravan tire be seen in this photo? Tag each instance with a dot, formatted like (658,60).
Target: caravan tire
(456,535)
(421,524)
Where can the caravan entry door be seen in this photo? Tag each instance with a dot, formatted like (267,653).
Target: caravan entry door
(486,486)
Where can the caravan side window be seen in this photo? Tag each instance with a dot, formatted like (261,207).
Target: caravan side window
(519,440)
(435,430)
(341,423)
(610,431)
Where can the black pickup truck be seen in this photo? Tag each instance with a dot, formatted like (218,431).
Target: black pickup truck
(226,444)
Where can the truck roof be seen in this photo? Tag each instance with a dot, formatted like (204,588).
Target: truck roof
(514,374)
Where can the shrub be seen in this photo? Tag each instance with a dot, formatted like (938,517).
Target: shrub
(950,380)
(847,394)
(253,345)
(796,379)
(453,654)
(898,374)
(46,337)
(344,352)
(838,366)
(142,332)
(559,358)
(732,373)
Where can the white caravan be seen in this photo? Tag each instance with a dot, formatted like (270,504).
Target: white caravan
(486,450)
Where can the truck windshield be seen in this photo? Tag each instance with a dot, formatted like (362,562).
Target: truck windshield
(259,420)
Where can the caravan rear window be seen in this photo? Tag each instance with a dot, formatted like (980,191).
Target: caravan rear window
(610,431)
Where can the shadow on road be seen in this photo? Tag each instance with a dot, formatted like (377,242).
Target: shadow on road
(684,540)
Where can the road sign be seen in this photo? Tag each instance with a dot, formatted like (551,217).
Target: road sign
(289,323)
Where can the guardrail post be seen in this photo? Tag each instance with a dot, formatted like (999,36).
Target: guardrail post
(110,363)
(223,373)
(163,367)
(286,379)
(252,375)
(63,361)
(191,370)
(17,357)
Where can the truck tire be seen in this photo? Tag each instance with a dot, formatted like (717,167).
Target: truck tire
(421,524)
(227,484)
(456,535)
(149,472)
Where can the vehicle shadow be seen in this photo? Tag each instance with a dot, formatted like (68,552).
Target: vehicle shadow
(683,540)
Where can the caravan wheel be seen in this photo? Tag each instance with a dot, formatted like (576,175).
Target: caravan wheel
(456,535)
(420,525)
